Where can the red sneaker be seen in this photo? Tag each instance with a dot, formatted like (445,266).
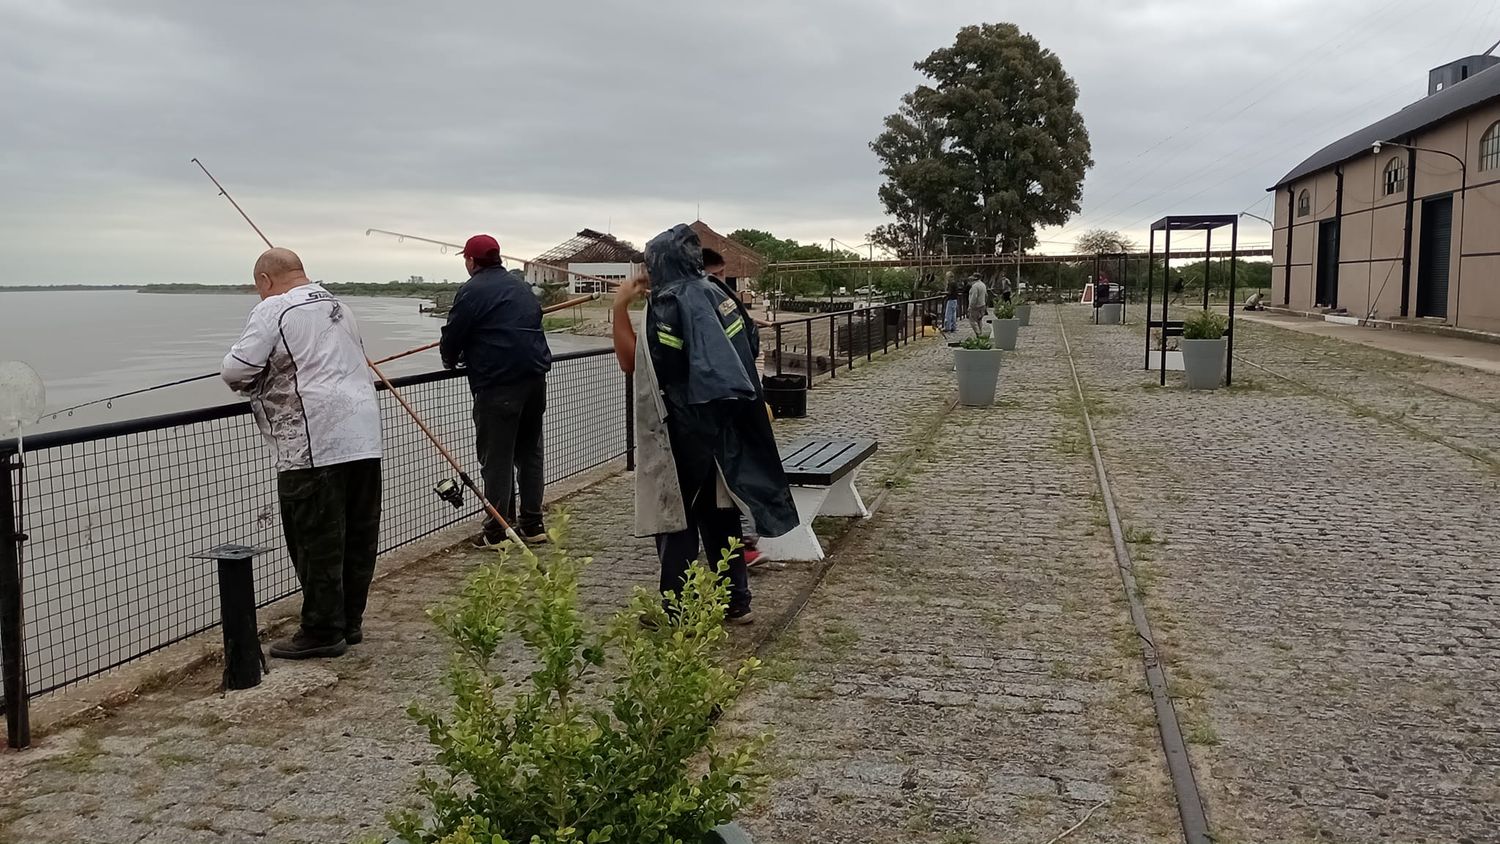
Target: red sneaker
(752,558)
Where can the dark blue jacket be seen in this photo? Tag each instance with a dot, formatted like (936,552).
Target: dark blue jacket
(494,331)
(699,339)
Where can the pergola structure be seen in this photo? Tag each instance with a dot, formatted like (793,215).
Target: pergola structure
(1206,223)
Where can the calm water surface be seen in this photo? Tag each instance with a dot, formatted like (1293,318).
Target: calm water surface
(87,345)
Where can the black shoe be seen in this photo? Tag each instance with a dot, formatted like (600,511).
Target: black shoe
(486,541)
(303,646)
(739,615)
(534,535)
(354,635)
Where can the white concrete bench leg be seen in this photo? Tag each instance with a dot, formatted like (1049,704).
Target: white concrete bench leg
(801,544)
(844,500)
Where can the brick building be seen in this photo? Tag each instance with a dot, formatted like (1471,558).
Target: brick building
(743,263)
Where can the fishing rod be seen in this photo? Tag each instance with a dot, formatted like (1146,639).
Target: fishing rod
(446,490)
(560,306)
(610,282)
(110,400)
(400,236)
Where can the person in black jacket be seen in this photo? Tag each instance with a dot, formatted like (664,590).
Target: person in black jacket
(494,331)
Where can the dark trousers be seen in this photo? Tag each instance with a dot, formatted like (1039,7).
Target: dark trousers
(714,526)
(508,436)
(331,518)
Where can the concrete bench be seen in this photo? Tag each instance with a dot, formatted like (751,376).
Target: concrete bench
(821,472)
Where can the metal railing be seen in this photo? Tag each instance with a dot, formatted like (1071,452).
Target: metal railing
(823,343)
(111,514)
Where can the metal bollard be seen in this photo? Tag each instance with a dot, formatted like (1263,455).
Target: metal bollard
(12,615)
(243,658)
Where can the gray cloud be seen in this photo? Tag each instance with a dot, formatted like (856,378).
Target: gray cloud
(532,120)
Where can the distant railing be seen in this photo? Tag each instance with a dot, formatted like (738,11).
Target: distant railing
(824,343)
(112,513)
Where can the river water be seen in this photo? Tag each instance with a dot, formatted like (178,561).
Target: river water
(88,344)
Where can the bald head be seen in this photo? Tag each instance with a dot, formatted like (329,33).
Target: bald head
(277,271)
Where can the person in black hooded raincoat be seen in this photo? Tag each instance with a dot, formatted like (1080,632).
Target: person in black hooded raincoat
(703,440)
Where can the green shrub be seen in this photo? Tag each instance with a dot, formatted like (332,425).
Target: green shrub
(979,342)
(610,737)
(1005,310)
(1205,325)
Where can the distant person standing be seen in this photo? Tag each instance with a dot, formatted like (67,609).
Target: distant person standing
(494,331)
(950,305)
(302,363)
(979,296)
(1006,291)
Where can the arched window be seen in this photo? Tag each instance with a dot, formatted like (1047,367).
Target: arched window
(1489,148)
(1395,176)
(1304,203)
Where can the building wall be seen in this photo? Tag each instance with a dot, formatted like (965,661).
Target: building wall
(1373,229)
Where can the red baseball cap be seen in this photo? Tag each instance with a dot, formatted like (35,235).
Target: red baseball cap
(480,245)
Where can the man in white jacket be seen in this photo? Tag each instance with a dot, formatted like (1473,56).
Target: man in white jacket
(302,363)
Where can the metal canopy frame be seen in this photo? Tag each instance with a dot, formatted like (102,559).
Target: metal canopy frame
(1122,266)
(1206,223)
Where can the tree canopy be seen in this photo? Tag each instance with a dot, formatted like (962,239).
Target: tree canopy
(991,147)
(818,281)
(1103,242)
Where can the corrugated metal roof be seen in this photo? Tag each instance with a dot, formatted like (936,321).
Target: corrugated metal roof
(590,247)
(1475,91)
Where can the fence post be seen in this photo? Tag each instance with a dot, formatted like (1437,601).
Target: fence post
(780,350)
(833,349)
(849,338)
(630,422)
(12,613)
(809,354)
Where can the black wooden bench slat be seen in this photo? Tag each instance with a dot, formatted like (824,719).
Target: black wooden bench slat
(817,455)
(821,461)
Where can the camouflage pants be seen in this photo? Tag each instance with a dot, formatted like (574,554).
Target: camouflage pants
(331,518)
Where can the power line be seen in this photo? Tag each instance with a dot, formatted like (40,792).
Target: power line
(1293,72)
(1295,129)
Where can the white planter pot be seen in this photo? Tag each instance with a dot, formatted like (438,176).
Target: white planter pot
(1111,314)
(978,372)
(1004,333)
(1203,362)
(1023,313)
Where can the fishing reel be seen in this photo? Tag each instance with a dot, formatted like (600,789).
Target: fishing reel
(449,490)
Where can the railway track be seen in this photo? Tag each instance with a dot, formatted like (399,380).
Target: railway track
(1191,812)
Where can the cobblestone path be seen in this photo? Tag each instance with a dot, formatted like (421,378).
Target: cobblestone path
(967,673)
(1324,575)
(1320,561)
(322,750)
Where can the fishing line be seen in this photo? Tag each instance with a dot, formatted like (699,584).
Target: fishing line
(109,401)
(442,488)
(403,236)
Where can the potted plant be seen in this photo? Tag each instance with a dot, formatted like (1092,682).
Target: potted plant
(1023,311)
(1006,327)
(977,362)
(1204,349)
(602,732)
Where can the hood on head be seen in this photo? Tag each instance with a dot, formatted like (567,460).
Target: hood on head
(674,255)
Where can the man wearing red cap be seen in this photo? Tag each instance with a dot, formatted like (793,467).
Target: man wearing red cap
(494,331)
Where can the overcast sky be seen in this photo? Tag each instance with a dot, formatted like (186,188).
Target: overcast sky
(533,120)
